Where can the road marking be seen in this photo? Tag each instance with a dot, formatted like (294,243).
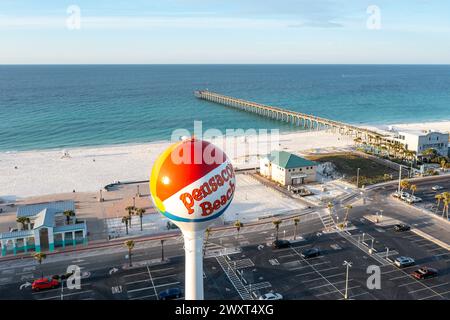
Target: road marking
(153,287)
(325,285)
(335,291)
(401,277)
(153,284)
(154,278)
(65,295)
(438,285)
(143,297)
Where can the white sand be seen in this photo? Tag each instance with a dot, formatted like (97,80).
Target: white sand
(443,126)
(45,172)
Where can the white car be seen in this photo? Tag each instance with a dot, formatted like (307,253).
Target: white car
(271,296)
(413,199)
(436,188)
(405,196)
(402,262)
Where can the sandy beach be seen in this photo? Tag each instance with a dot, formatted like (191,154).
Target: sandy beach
(35,173)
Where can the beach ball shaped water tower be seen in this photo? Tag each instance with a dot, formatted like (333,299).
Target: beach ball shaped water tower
(192,183)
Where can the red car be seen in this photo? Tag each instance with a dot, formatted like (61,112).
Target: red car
(44,283)
(424,273)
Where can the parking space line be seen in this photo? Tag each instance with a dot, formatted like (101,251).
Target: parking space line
(311,280)
(65,295)
(401,277)
(429,297)
(325,285)
(153,287)
(153,284)
(317,271)
(143,297)
(327,269)
(407,284)
(429,287)
(335,291)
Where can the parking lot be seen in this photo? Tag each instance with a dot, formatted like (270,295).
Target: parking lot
(427,194)
(250,268)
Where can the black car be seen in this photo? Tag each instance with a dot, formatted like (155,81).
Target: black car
(170,294)
(279,244)
(310,253)
(402,227)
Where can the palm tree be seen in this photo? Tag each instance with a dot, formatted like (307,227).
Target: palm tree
(438,198)
(296,222)
(413,188)
(125,220)
(68,214)
(348,207)
(23,221)
(130,245)
(445,208)
(238,226)
(140,212)
(404,184)
(130,210)
(39,256)
(277,223)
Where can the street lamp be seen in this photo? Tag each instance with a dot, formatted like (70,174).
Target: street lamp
(348,265)
(357,178)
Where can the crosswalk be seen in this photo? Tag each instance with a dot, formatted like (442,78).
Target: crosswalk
(327,220)
(234,279)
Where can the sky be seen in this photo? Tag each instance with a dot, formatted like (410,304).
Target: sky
(225,31)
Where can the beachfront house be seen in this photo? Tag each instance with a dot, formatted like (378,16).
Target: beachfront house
(44,227)
(287,168)
(420,141)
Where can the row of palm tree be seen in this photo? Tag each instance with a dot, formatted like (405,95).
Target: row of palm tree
(406,185)
(390,148)
(445,199)
(132,210)
(238,225)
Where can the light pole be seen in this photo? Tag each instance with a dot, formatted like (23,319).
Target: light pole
(399,179)
(357,178)
(348,265)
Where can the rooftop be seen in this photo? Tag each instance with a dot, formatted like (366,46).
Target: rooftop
(34,209)
(288,160)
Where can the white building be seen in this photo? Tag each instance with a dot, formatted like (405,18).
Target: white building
(287,168)
(419,141)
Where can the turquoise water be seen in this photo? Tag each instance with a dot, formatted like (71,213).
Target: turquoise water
(68,106)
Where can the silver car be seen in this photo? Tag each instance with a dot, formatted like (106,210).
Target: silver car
(403,262)
(271,296)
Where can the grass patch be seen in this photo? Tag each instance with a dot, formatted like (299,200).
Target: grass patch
(347,164)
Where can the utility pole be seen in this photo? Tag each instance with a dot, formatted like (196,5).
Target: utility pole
(399,179)
(357,178)
(348,265)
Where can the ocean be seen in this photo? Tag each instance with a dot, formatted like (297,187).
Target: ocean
(64,106)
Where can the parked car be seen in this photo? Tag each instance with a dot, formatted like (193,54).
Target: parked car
(402,227)
(279,244)
(170,294)
(310,253)
(424,273)
(413,199)
(405,196)
(271,296)
(437,188)
(44,283)
(403,262)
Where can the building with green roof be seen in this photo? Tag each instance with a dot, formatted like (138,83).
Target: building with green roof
(287,168)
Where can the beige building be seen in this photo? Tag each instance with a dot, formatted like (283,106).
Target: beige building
(287,168)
